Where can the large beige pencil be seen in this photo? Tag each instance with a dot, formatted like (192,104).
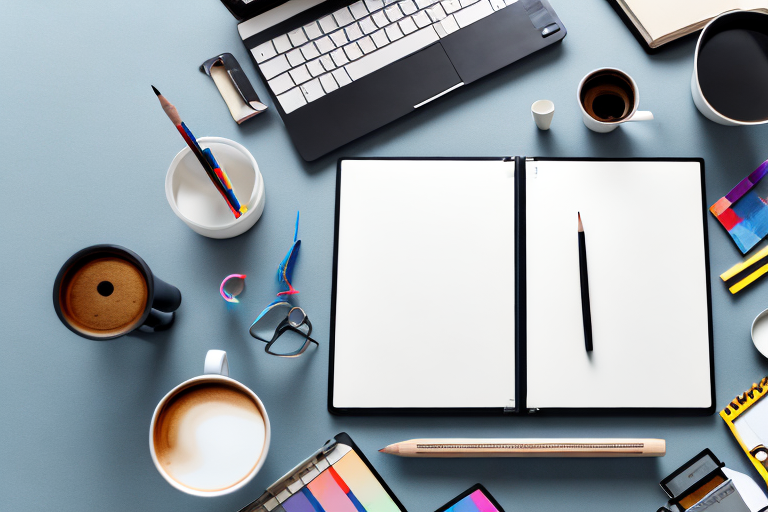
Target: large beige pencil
(528,448)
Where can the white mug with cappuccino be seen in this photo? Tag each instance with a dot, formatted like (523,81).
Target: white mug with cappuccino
(209,435)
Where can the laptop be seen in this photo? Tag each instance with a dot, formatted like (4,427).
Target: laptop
(339,69)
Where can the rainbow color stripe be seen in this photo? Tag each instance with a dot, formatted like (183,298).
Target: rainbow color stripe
(346,486)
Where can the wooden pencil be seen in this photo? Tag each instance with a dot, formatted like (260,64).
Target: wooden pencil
(586,312)
(186,134)
(466,448)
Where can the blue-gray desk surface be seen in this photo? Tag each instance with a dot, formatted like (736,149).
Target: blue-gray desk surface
(85,150)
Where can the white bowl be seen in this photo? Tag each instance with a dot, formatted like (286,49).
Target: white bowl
(196,201)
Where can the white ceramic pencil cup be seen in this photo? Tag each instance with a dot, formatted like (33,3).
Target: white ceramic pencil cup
(196,201)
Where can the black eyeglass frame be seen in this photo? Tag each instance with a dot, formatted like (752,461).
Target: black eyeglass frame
(287,325)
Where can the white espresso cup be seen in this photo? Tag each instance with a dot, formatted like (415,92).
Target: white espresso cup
(632,113)
(209,435)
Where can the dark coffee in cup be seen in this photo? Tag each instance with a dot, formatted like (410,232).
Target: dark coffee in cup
(106,291)
(608,96)
(732,66)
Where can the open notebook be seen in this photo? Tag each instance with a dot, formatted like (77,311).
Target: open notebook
(456,286)
(661,21)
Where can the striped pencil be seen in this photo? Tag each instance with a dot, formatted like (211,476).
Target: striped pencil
(186,134)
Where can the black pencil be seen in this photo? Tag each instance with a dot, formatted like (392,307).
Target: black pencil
(586,313)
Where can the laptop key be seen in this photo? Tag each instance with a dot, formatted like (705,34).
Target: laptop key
(297,37)
(300,74)
(451,5)
(380,38)
(353,51)
(312,90)
(467,3)
(423,4)
(310,51)
(447,26)
(421,19)
(312,30)
(353,32)
(328,82)
(325,45)
(342,78)
(343,17)
(392,52)
(393,13)
(367,25)
(394,32)
(374,5)
(436,13)
(380,19)
(358,10)
(282,43)
(473,13)
(264,52)
(281,83)
(273,67)
(295,57)
(315,67)
(367,45)
(498,4)
(408,7)
(327,63)
(328,24)
(339,38)
(292,100)
(339,57)
(407,25)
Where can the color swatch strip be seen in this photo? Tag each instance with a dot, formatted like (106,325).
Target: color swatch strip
(346,486)
(475,502)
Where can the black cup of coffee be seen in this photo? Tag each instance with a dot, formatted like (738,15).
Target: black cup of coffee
(106,291)
(608,96)
(730,74)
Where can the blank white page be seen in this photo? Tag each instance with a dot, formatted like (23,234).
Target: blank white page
(425,310)
(643,224)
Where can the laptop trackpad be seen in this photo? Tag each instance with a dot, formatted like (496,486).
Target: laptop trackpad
(370,102)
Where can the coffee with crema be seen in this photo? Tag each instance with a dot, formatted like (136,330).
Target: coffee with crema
(104,296)
(209,436)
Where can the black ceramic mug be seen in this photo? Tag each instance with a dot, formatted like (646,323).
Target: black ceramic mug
(106,291)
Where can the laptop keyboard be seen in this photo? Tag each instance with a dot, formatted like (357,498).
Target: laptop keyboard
(327,54)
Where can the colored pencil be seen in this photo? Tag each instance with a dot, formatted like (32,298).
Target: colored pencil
(186,134)
(586,312)
(224,179)
(468,448)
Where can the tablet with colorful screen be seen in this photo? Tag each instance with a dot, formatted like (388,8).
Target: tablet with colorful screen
(475,499)
(336,478)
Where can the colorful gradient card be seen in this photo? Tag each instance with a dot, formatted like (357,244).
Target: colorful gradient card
(341,480)
(474,499)
(744,210)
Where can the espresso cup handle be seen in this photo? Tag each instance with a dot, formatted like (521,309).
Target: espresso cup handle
(216,363)
(642,115)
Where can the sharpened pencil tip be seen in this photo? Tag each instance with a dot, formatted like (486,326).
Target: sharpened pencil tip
(581,226)
(381,450)
(156,91)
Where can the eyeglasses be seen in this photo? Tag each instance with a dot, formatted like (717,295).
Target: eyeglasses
(285,329)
